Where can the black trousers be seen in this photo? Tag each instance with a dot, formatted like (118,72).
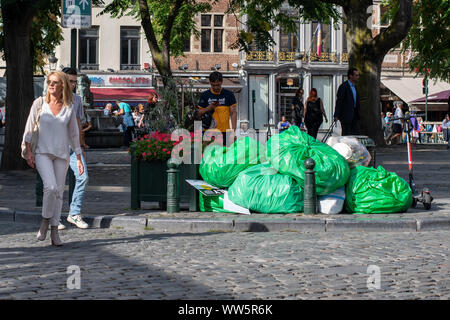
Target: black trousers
(350,129)
(127,136)
(313,127)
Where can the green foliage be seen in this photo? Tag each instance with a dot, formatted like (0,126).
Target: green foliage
(175,109)
(183,25)
(429,38)
(265,15)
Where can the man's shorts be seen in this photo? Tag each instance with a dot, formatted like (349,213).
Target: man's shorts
(397,128)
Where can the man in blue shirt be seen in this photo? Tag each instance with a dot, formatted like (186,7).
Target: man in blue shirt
(347,105)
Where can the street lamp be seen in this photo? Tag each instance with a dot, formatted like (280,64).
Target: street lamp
(53,61)
(301,69)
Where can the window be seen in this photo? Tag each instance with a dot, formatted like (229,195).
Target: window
(212,33)
(187,45)
(288,41)
(323,84)
(326,37)
(88,49)
(129,48)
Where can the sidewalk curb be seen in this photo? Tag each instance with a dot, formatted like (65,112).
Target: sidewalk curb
(199,225)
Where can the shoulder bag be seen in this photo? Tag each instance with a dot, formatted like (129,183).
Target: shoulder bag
(34,132)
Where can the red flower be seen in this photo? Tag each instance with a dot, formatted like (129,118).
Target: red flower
(144,154)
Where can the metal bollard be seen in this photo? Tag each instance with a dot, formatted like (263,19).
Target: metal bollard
(173,186)
(310,198)
(39,190)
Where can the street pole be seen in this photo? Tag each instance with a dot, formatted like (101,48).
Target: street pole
(73,48)
(426,98)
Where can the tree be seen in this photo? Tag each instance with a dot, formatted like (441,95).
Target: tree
(30,31)
(366,52)
(17,24)
(429,38)
(166,24)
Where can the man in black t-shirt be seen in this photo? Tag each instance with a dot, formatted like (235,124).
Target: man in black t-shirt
(217,104)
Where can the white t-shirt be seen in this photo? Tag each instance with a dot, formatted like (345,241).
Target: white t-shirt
(398,113)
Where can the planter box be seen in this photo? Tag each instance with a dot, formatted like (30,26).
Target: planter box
(149,183)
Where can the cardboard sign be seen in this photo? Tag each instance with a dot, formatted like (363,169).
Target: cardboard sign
(205,188)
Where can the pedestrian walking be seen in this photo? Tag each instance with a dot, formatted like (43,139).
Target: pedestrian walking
(314,113)
(58,129)
(446,130)
(347,105)
(127,122)
(81,180)
(387,125)
(219,102)
(397,127)
(297,108)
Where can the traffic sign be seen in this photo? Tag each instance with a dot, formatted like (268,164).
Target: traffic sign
(76,14)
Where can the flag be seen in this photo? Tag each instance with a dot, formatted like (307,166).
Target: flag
(318,33)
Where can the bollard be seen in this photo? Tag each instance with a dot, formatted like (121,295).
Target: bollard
(173,186)
(310,199)
(39,190)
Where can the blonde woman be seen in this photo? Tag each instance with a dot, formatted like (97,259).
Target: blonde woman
(58,129)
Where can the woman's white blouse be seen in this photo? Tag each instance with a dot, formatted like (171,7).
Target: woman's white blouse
(56,133)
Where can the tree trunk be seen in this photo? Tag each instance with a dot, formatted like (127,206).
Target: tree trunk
(367,53)
(17,21)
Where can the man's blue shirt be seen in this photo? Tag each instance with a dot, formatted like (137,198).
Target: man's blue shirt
(353,91)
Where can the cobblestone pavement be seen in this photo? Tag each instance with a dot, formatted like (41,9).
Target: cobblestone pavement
(119,264)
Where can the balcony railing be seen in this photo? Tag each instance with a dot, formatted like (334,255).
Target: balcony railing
(260,56)
(88,66)
(130,67)
(324,57)
(344,57)
(289,56)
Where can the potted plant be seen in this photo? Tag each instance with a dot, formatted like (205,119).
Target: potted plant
(149,157)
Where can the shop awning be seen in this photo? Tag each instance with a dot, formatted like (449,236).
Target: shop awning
(126,94)
(436,97)
(409,89)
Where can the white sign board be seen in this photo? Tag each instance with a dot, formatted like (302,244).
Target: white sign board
(120,80)
(76,14)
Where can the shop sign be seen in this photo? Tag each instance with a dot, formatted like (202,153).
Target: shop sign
(101,80)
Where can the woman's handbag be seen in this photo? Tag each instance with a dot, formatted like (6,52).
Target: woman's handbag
(34,132)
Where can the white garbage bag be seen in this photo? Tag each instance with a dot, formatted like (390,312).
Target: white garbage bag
(351,149)
(332,203)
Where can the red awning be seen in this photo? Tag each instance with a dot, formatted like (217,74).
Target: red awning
(127,94)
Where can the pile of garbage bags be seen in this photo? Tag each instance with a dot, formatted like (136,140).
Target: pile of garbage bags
(270,178)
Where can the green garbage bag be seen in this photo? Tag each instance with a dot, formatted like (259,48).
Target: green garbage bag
(211,203)
(261,188)
(221,165)
(371,190)
(294,147)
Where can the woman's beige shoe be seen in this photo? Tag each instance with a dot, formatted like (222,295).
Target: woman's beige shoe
(42,233)
(56,241)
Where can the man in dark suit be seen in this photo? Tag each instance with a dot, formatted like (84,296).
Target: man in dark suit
(347,105)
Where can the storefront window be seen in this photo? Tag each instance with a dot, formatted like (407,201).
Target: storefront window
(259,106)
(324,86)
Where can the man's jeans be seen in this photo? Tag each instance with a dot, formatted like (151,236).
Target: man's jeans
(80,184)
